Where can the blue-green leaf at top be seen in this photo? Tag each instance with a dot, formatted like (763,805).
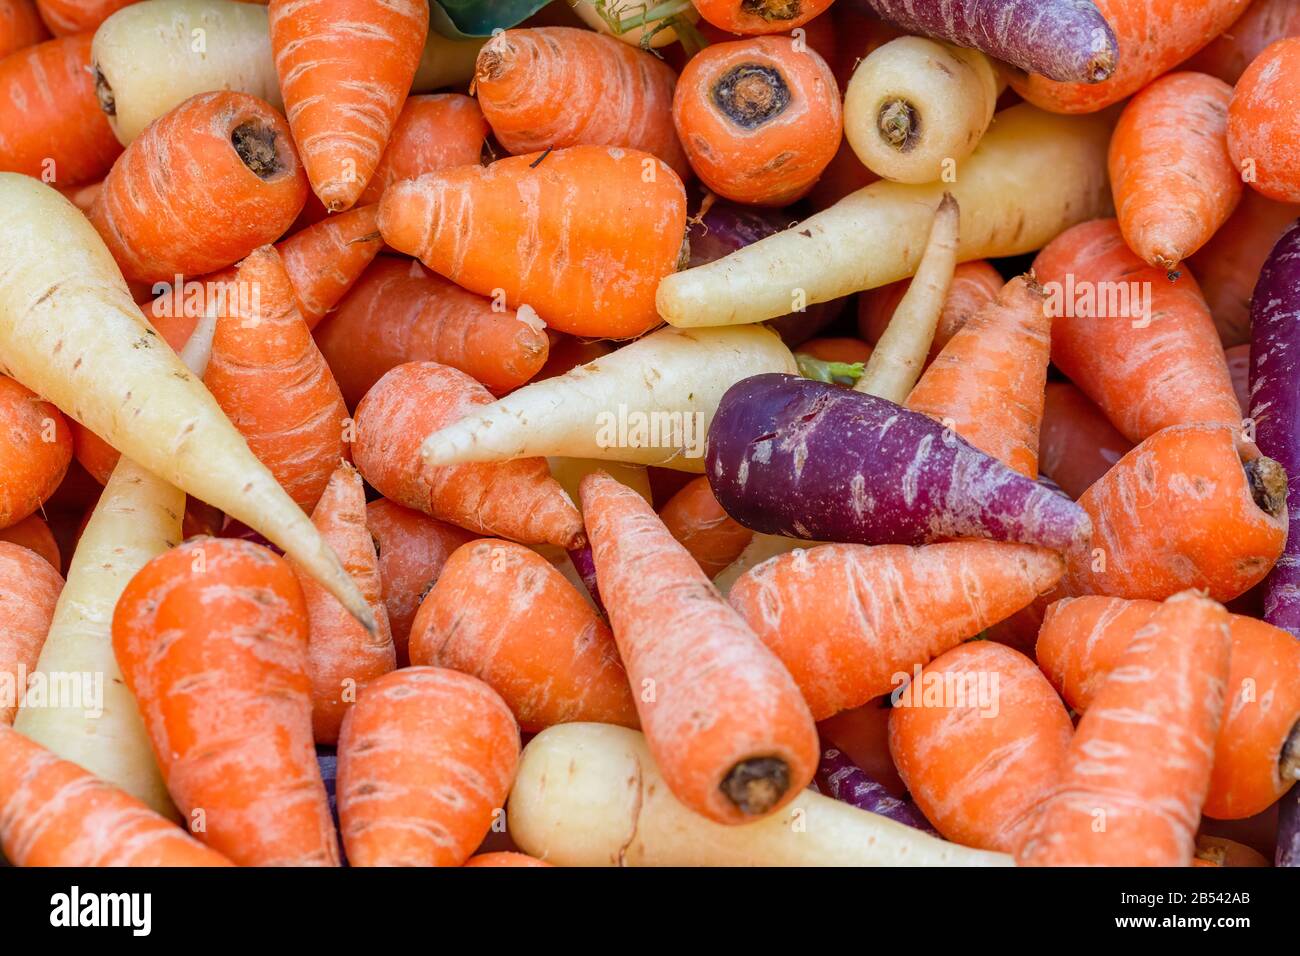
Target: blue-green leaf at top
(461,19)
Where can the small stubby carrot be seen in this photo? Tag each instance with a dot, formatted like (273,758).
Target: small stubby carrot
(759,16)
(412,550)
(974,284)
(1182,510)
(341,654)
(20,26)
(1264,21)
(211,637)
(1173,180)
(35,450)
(759,118)
(234,183)
(51,126)
(29,589)
(1083,639)
(504,614)
(1138,769)
(345,67)
(987,383)
(552,87)
(1143,348)
(426,759)
(694,517)
(34,534)
(505,858)
(725,721)
(1077,444)
(598,229)
(512,499)
(850,622)
(1264,122)
(979,737)
(53,813)
(399,312)
(66,17)
(434,131)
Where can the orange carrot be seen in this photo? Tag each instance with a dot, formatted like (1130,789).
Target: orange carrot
(34,535)
(267,374)
(974,284)
(1138,769)
(233,184)
(1220,851)
(722,717)
(400,312)
(759,16)
(1083,639)
(341,655)
(53,813)
(1182,510)
(434,131)
(694,517)
(29,587)
(505,858)
(501,612)
(759,119)
(1173,180)
(1077,444)
(20,26)
(1153,37)
(325,260)
(851,622)
(598,229)
(1264,122)
(987,383)
(65,17)
(1264,21)
(345,67)
(35,449)
(426,759)
(514,499)
(979,737)
(412,550)
(862,734)
(51,126)
(837,349)
(552,87)
(1141,347)
(212,640)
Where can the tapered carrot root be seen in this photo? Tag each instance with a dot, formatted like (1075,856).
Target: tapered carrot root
(35,447)
(1263,125)
(973,285)
(235,183)
(552,87)
(53,813)
(20,26)
(426,759)
(688,654)
(341,654)
(436,131)
(212,640)
(345,68)
(1138,769)
(29,588)
(515,499)
(694,517)
(1077,444)
(502,613)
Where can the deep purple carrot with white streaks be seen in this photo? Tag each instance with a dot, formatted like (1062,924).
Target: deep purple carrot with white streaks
(839,777)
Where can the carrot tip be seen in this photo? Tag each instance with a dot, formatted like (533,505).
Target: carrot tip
(758,784)
(1100,67)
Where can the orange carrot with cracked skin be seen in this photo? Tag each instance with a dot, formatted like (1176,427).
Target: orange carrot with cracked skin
(1077,444)
(1264,122)
(694,517)
(1182,510)
(426,759)
(400,312)
(1141,347)
(505,858)
(345,67)
(1264,21)
(51,126)
(974,284)
(593,229)
(723,718)
(29,588)
(35,450)
(234,183)
(434,131)
(267,374)
(20,26)
(53,813)
(412,549)
(513,499)
(552,87)
(1173,180)
(1257,752)
(212,640)
(504,614)
(341,655)
(979,737)
(851,621)
(987,383)
(35,535)
(1138,769)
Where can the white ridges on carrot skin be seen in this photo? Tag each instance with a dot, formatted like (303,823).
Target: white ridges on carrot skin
(29,588)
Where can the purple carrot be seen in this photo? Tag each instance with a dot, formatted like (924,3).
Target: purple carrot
(1067,40)
(839,777)
(790,456)
(328,761)
(585,564)
(1275,408)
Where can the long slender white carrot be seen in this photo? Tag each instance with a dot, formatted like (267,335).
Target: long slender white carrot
(70,332)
